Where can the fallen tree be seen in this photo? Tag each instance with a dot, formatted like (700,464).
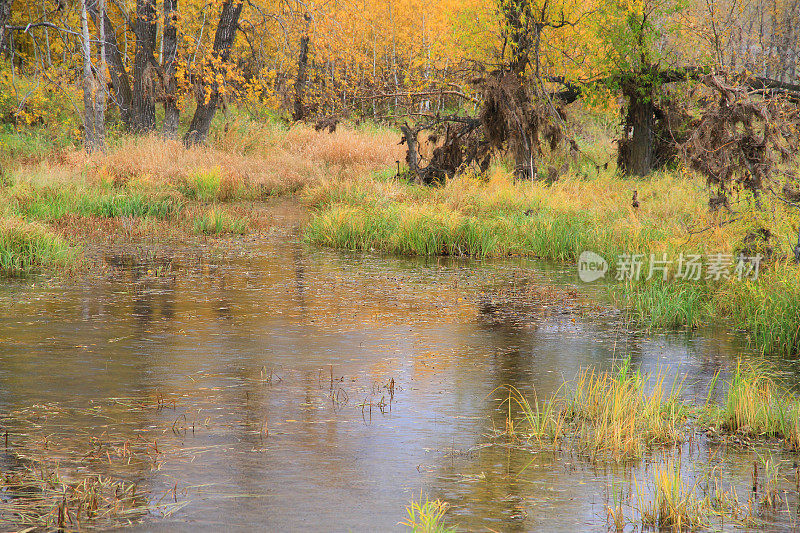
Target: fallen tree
(519,118)
(655,123)
(741,140)
(516,117)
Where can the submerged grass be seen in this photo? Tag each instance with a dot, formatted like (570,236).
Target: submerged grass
(54,476)
(36,497)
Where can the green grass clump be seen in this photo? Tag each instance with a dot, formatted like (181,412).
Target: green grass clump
(25,246)
(612,416)
(202,186)
(427,516)
(768,309)
(51,204)
(666,304)
(756,406)
(217,221)
(133,205)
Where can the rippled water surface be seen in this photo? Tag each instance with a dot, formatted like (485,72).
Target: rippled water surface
(283,387)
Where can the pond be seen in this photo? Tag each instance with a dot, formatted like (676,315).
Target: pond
(279,387)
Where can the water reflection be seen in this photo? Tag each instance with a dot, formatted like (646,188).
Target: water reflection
(263,381)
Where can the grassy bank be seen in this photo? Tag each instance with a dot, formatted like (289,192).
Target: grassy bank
(147,187)
(495,217)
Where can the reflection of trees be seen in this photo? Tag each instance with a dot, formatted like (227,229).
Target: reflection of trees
(298,262)
(220,302)
(153,282)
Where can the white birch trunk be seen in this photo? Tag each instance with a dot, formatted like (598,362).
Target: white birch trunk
(102,84)
(89,118)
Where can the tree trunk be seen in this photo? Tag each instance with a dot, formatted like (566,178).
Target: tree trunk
(91,138)
(144,107)
(524,160)
(5,18)
(518,15)
(394,57)
(170,45)
(300,82)
(637,149)
(412,154)
(207,104)
(120,82)
(101,87)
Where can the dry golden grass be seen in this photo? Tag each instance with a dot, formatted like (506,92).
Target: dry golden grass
(251,160)
(345,147)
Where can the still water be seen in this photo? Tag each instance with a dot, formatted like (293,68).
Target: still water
(283,387)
